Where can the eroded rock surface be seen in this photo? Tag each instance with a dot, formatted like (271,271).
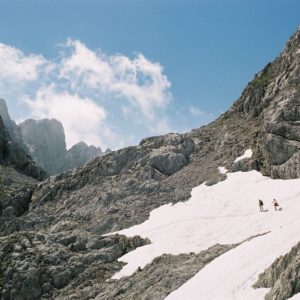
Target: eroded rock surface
(283,276)
(273,97)
(36,265)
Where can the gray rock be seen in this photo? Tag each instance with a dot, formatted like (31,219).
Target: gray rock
(167,163)
(273,97)
(282,277)
(12,154)
(30,269)
(10,125)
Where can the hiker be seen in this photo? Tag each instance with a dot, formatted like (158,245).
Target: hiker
(275,203)
(261,205)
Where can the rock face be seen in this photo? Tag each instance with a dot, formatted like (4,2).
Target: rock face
(283,276)
(15,195)
(45,140)
(15,188)
(9,124)
(28,270)
(69,212)
(273,98)
(12,154)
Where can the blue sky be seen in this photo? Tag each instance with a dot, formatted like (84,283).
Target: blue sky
(185,61)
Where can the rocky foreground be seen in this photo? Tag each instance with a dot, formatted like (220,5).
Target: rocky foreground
(53,247)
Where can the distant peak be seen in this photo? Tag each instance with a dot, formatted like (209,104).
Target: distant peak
(80,144)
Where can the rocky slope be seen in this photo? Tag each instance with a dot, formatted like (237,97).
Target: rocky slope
(18,178)
(120,189)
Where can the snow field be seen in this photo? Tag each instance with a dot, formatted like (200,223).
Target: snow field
(247,154)
(224,213)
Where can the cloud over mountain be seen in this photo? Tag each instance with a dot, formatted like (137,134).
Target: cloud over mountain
(109,100)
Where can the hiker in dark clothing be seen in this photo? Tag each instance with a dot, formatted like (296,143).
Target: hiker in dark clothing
(261,205)
(275,203)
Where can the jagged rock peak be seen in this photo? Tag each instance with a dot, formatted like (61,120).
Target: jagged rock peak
(13,155)
(10,125)
(3,110)
(80,153)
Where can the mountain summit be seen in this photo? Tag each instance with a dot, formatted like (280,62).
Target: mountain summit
(57,248)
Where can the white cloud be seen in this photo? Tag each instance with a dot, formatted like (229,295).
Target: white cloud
(138,80)
(93,94)
(85,67)
(160,127)
(16,66)
(81,117)
(197,112)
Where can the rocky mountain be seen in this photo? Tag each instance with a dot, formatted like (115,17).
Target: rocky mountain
(44,141)
(13,155)
(19,176)
(57,248)
(80,153)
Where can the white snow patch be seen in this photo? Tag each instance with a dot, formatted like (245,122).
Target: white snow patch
(224,213)
(222,170)
(297,296)
(248,154)
(232,275)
